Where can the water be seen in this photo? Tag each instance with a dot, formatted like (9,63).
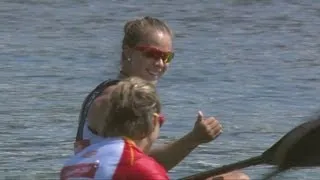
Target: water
(254,64)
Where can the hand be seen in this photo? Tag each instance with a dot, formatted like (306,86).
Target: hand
(234,175)
(206,130)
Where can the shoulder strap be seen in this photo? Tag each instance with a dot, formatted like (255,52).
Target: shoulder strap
(87,103)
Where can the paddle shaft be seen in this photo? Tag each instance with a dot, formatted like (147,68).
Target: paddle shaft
(226,168)
(292,150)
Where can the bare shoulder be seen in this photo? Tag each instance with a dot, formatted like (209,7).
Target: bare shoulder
(108,89)
(97,109)
(103,98)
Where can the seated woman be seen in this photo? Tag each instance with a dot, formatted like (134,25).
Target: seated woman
(131,125)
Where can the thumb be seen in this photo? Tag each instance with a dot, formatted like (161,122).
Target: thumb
(200,116)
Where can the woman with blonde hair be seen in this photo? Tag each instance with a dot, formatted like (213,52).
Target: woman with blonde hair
(132,123)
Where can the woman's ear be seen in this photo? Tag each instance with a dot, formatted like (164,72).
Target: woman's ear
(126,52)
(155,120)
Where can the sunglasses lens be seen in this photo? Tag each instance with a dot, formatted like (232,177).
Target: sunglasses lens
(154,53)
(169,57)
(151,54)
(161,120)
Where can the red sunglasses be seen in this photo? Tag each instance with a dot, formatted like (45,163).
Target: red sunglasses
(155,53)
(160,118)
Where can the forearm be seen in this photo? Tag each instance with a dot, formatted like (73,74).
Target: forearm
(170,155)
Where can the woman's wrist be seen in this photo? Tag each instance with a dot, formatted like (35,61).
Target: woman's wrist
(192,139)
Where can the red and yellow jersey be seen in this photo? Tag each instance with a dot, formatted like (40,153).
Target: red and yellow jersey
(112,159)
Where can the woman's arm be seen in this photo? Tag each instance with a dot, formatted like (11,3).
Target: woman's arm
(169,155)
(205,130)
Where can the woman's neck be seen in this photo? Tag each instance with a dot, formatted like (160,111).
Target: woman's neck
(123,75)
(142,144)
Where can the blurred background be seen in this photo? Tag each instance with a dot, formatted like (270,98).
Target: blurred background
(253,64)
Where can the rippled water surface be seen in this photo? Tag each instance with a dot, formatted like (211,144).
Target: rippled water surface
(254,64)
